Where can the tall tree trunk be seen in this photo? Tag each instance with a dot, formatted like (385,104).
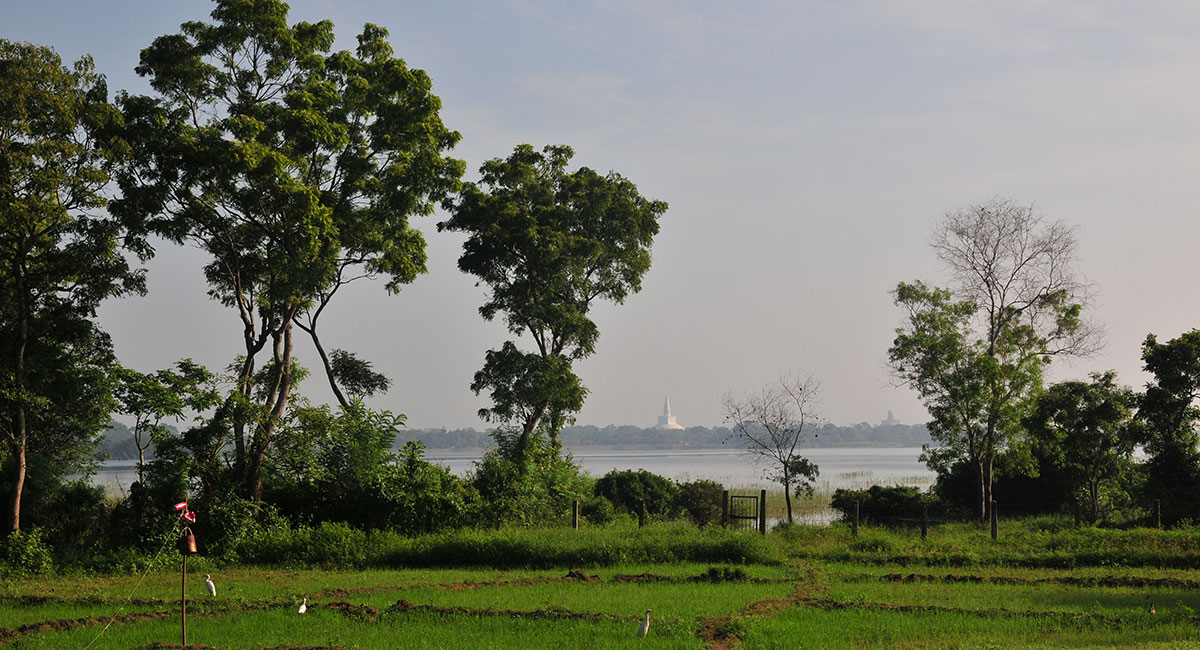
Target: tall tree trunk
(14,502)
(530,425)
(983,493)
(246,390)
(311,328)
(1094,496)
(987,484)
(787,493)
(20,425)
(337,392)
(282,389)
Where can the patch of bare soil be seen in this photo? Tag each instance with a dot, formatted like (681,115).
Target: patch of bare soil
(159,645)
(711,577)
(719,632)
(9,633)
(37,601)
(364,613)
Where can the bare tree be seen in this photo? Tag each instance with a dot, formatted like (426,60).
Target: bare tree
(1018,273)
(976,354)
(772,424)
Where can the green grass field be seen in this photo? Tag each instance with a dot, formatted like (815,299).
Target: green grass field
(820,595)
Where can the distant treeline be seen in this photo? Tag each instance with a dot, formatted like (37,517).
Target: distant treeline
(829,435)
(118,442)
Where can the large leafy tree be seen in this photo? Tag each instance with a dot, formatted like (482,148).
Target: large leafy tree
(60,256)
(548,243)
(1086,429)
(975,353)
(169,393)
(296,170)
(1170,413)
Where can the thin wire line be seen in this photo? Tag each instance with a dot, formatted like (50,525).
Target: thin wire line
(129,597)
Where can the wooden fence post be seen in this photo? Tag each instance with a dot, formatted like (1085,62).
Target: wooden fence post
(762,512)
(1158,513)
(994,530)
(641,513)
(575,515)
(854,529)
(725,509)
(924,519)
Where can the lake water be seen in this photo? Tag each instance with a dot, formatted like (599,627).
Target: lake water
(840,467)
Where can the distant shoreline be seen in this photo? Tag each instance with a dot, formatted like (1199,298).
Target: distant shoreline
(118,442)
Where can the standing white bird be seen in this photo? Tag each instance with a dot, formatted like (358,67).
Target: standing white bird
(304,605)
(645,625)
(212,589)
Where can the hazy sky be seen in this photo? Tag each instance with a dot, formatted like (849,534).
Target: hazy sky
(805,148)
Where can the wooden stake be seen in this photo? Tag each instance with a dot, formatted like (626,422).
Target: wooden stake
(183,602)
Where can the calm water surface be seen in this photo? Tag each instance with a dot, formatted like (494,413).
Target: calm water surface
(840,467)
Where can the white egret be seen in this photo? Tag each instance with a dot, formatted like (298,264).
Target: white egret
(304,605)
(212,589)
(645,625)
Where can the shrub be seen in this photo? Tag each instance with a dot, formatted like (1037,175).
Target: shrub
(883,505)
(24,553)
(533,487)
(73,518)
(425,497)
(231,523)
(628,489)
(597,510)
(336,544)
(702,500)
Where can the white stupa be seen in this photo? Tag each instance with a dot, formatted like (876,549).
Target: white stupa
(666,420)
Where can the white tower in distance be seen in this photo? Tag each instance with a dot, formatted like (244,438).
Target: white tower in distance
(666,420)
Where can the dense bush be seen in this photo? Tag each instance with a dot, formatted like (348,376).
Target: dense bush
(628,490)
(702,500)
(597,510)
(74,517)
(884,505)
(341,468)
(533,487)
(25,553)
(427,497)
